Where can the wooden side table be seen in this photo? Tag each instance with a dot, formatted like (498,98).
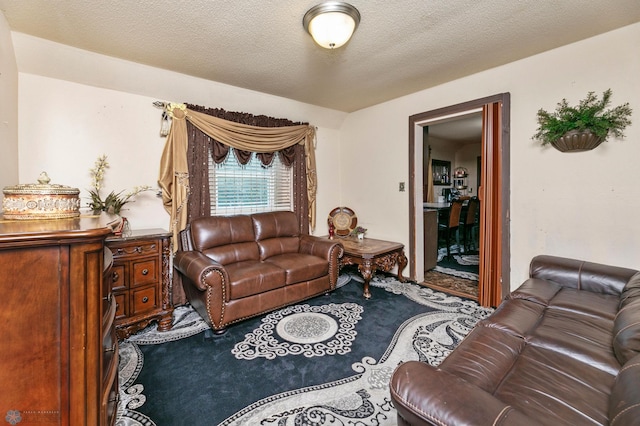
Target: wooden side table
(140,280)
(372,255)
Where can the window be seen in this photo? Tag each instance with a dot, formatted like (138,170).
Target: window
(253,188)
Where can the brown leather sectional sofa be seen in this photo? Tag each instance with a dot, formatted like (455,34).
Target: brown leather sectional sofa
(563,349)
(237,267)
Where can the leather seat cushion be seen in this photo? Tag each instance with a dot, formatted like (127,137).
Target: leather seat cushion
(554,389)
(300,267)
(253,277)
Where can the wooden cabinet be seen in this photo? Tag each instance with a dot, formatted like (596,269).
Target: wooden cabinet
(140,280)
(430,239)
(59,358)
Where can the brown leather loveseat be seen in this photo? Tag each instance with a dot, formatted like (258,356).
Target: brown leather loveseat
(562,349)
(236,267)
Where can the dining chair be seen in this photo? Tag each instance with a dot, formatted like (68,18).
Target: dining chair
(469,222)
(450,227)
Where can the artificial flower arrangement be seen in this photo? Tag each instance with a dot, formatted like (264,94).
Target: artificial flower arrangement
(114,201)
(358,230)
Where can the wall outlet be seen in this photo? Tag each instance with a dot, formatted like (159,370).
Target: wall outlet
(401,187)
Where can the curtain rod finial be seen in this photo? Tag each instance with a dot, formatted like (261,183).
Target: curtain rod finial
(160,104)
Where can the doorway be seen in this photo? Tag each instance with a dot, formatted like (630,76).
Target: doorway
(456,143)
(493,192)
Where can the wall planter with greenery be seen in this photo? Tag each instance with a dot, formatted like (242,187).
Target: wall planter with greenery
(582,127)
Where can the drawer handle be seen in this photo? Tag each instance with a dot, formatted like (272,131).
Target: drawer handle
(145,272)
(120,251)
(139,249)
(145,299)
(115,277)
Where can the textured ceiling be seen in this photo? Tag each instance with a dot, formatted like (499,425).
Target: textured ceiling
(399,48)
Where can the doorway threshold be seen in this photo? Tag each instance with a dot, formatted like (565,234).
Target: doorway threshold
(450,284)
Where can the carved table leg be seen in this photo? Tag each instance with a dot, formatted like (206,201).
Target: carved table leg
(367,273)
(402,263)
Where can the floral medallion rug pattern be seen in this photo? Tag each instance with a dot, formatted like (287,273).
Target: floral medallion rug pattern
(316,331)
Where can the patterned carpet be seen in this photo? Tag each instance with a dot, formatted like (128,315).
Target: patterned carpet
(451,284)
(457,276)
(326,331)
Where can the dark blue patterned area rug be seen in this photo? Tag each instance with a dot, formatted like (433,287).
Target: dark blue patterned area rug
(325,361)
(461,264)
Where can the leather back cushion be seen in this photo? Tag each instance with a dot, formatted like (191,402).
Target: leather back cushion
(580,274)
(275,225)
(626,331)
(277,246)
(624,403)
(225,239)
(631,291)
(276,233)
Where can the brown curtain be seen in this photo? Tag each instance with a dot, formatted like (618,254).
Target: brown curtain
(196,130)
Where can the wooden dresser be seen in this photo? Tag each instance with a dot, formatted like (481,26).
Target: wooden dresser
(140,280)
(59,357)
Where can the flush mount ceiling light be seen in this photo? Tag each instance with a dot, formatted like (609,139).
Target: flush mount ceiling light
(331,23)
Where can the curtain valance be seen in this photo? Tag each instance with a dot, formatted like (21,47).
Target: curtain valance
(174,173)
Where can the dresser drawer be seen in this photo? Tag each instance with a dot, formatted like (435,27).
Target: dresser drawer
(144,272)
(124,250)
(122,305)
(143,300)
(118,277)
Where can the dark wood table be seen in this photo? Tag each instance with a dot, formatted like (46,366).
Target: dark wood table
(372,255)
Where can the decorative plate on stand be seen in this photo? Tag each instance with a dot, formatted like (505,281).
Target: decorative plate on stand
(344,220)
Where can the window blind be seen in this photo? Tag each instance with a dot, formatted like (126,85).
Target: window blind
(252,188)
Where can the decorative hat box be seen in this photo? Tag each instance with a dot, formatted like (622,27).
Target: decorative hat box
(40,200)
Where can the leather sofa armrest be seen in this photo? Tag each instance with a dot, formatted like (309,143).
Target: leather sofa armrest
(580,274)
(424,395)
(321,247)
(197,267)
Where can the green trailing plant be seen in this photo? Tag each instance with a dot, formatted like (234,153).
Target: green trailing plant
(113,202)
(589,115)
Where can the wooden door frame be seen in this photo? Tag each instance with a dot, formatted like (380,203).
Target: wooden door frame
(498,241)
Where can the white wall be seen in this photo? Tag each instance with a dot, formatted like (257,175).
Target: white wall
(576,205)
(76,105)
(8,109)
